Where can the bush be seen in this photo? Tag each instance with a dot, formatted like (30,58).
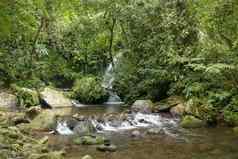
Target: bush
(201,109)
(26,97)
(231,112)
(88,90)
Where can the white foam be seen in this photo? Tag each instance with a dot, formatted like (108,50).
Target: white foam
(62,128)
(137,120)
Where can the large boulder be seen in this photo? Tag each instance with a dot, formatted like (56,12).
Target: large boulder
(178,110)
(54,98)
(16,143)
(191,122)
(8,101)
(143,106)
(46,120)
(166,104)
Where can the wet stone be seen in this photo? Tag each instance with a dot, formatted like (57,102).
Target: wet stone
(107,148)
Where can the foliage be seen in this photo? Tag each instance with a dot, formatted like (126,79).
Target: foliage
(26,97)
(176,47)
(88,90)
(202,109)
(231,112)
(160,35)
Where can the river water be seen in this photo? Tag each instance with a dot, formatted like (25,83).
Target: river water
(204,143)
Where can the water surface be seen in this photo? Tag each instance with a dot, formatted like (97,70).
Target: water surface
(205,143)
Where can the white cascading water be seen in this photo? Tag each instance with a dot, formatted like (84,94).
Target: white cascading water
(137,120)
(133,121)
(63,129)
(108,80)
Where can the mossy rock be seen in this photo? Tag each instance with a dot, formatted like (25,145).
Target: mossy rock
(50,155)
(191,122)
(89,140)
(46,120)
(143,106)
(54,98)
(107,148)
(201,109)
(16,144)
(8,101)
(235,130)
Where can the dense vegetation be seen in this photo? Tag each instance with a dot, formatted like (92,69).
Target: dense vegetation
(175,47)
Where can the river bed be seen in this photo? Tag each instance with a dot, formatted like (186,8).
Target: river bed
(203,143)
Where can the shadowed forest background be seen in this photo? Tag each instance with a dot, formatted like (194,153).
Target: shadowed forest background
(163,48)
(179,47)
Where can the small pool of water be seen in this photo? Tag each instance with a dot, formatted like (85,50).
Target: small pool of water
(205,143)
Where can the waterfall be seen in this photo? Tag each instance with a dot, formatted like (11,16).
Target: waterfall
(108,80)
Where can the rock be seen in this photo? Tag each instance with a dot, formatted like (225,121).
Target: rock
(107,148)
(19,145)
(191,122)
(8,101)
(71,123)
(174,100)
(235,130)
(89,140)
(20,119)
(161,107)
(84,128)
(178,110)
(32,112)
(166,104)
(216,152)
(44,140)
(143,106)
(44,121)
(50,155)
(54,98)
(155,131)
(136,134)
(205,147)
(79,117)
(87,157)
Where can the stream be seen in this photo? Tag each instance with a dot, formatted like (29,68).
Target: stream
(130,132)
(175,143)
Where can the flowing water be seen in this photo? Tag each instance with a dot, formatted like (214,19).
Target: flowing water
(111,121)
(108,80)
(175,143)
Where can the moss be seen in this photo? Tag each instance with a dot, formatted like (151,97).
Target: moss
(231,118)
(17,144)
(235,130)
(88,90)
(230,112)
(191,122)
(44,121)
(89,140)
(201,109)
